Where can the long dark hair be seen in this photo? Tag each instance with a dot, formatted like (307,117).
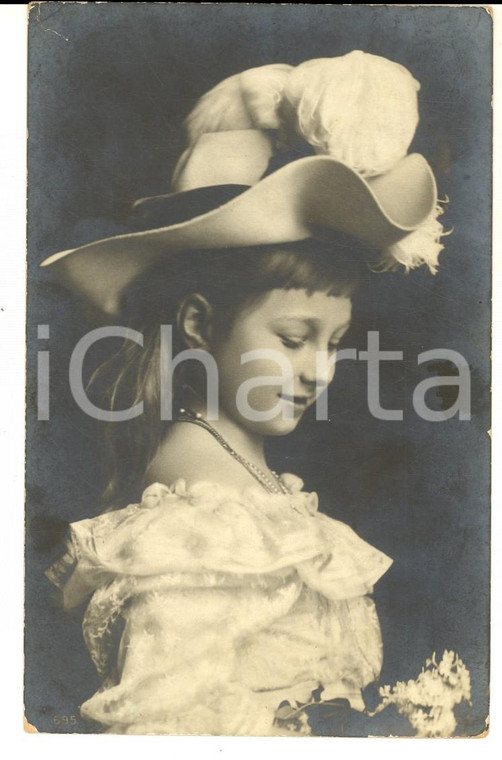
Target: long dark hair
(230,280)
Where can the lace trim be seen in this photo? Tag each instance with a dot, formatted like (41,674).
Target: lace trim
(61,570)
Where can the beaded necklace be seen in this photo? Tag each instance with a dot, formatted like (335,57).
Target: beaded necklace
(186,415)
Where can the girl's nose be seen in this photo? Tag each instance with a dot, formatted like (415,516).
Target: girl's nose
(317,373)
(309,375)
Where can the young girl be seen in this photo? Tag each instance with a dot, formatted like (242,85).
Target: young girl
(224,592)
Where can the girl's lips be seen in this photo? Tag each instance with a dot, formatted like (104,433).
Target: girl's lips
(300,401)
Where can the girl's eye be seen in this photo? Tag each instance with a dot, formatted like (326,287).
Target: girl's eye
(292,342)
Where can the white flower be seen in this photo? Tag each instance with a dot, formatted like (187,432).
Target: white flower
(359,108)
(429,700)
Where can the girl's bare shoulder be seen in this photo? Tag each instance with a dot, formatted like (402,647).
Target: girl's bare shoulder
(191,453)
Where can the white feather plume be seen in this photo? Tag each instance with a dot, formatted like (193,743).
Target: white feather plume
(422,246)
(249,100)
(359,108)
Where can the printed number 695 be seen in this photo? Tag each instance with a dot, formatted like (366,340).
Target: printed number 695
(65,720)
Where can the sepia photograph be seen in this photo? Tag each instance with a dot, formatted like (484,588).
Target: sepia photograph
(258,423)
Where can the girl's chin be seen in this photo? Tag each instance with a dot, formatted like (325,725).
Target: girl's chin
(275,426)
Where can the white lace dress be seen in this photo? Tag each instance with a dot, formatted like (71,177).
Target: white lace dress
(211,606)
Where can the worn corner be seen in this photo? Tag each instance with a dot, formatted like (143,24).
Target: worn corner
(28,727)
(32,5)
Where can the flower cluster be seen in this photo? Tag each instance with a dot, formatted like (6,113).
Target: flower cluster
(429,701)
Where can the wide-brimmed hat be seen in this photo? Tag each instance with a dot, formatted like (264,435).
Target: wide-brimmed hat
(227,191)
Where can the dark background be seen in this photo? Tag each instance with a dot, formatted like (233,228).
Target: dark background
(109,86)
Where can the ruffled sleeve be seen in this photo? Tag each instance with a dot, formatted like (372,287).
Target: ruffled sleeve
(349,567)
(210,528)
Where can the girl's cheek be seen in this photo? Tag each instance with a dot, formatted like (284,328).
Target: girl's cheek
(267,382)
(261,399)
(325,371)
(281,369)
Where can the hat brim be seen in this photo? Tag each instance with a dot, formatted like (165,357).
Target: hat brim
(286,206)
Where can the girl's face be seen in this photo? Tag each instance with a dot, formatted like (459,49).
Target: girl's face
(294,335)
